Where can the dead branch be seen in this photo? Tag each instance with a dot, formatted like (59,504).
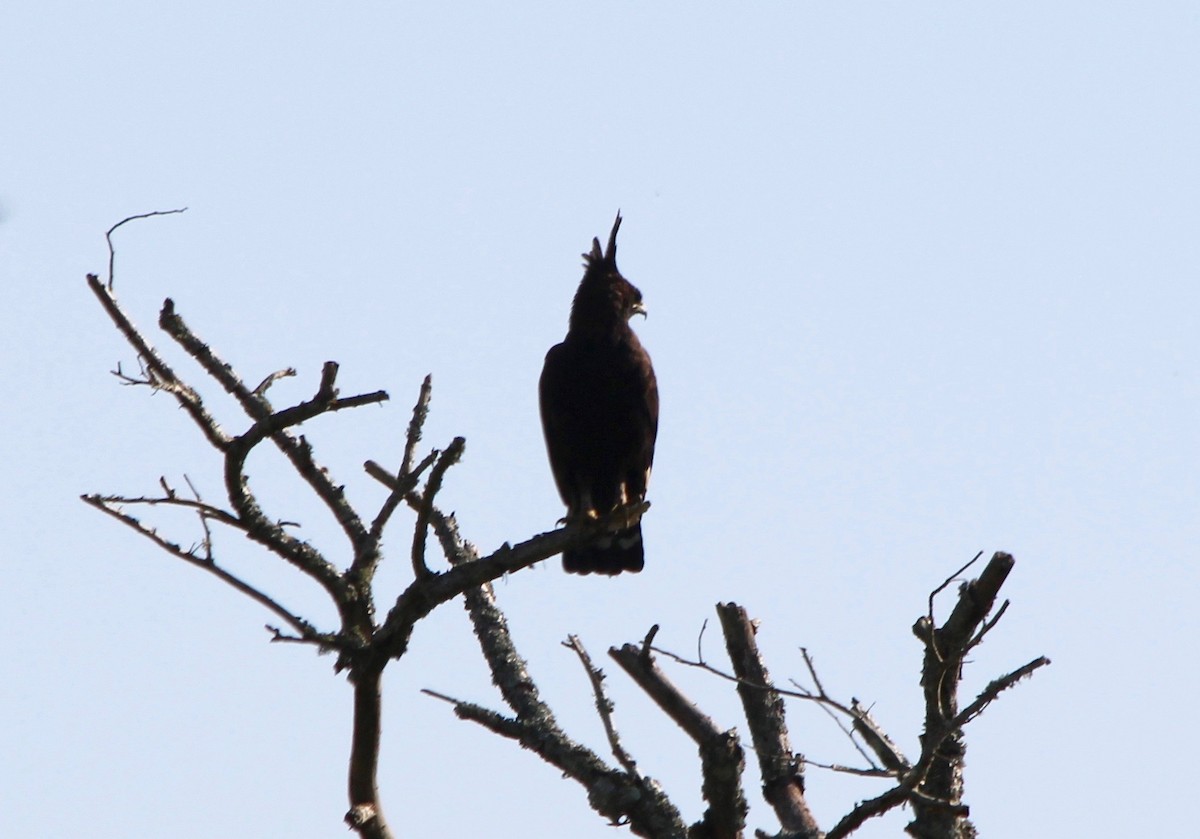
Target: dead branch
(266,383)
(112,253)
(405,481)
(413,435)
(782,773)
(364,646)
(877,739)
(618,795)
(832,708)
(994,689)
(160,374)
(938,806)
(604,705)
(943,746)
(445,460)
(721,757)
(932,784)
(274,425)
(800,692)
(111,507)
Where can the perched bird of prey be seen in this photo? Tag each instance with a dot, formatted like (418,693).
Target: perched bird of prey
(599,402)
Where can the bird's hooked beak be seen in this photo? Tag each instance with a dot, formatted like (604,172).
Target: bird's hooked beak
(638,308)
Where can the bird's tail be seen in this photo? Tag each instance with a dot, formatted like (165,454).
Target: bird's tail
(610,554)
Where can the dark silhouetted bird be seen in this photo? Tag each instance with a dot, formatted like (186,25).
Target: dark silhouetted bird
(599,402)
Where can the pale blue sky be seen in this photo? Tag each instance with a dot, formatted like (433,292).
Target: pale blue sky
(922,281)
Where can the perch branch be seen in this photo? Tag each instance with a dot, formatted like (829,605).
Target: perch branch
(427,592)
(619,796)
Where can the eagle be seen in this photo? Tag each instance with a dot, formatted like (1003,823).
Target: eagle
(599,407)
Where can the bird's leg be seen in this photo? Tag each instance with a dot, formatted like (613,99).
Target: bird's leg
(585,516)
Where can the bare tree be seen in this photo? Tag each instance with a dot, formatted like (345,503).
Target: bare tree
(367,638)
(932,783)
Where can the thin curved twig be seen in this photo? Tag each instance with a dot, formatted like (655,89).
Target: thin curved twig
(112,253)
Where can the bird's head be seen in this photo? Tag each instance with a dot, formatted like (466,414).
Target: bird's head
(604,292)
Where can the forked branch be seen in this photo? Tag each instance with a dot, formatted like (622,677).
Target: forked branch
(364,645)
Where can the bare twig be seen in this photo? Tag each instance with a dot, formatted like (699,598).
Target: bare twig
(107,504)
(648,641)
(491,720)
(160,375)
(403,484)
(848,770)
(827,704)
(130,381)
(799,693)
(994,689)
(877,739)
(206,510)
(604,705)
(202,514)
(812,671)
(695,723)
(879,742)
(987,626)
(325,401)
(405,481)
(322,641)
(275,425)
(445,460)
(416,424)
(945,584)
(112,254)
(266,383)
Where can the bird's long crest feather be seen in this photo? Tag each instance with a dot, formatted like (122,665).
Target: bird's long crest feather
(611,255)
